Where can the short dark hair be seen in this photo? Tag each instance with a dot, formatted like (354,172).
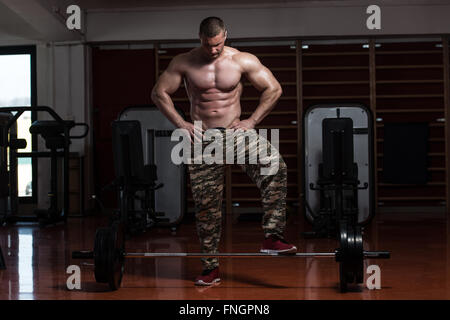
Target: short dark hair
(211,27)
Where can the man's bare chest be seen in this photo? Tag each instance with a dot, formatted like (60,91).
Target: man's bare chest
(220,76)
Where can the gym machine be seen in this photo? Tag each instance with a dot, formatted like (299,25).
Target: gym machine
(142,147)
(132,176)
(338,147)
(142,156)
(169,202)
(56,134)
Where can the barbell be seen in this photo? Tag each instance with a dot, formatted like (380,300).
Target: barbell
(109,255)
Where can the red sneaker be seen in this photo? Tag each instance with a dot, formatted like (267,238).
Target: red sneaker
(208,277)
(274,244)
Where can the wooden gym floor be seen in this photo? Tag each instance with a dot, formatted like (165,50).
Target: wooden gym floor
(419,267)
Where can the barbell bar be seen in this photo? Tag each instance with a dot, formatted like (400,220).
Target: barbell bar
(109,255)
(367,254)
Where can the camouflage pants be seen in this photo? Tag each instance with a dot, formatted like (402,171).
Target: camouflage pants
(207,189)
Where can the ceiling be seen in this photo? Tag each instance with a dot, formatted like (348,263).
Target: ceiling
(149,4)
(110,4)
(13,25)
(45,19)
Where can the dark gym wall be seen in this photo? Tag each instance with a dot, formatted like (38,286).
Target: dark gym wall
(120,78)
(404,83)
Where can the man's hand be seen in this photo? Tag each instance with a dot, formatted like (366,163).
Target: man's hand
(246,124)
(194,133)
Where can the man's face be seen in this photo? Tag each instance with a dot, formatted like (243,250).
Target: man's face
(213,47)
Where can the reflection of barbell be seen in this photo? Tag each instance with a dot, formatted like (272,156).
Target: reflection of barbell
(109,255)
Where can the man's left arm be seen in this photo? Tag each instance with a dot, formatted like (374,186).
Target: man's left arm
(264,81)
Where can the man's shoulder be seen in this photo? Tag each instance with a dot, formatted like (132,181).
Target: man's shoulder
(245,59)
(232,50)
(181,61)
(237,54)
(240,55)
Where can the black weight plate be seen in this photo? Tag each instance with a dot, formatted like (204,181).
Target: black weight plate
(115,271)
(350,262)
(102,236)
(343,242)
(342,256)
(359,255)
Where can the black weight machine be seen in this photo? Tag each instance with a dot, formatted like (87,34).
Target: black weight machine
(337,184)
(136,183)
(142,147)
(338,179)
(56,134)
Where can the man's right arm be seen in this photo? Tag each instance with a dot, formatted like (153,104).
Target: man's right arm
(167,84)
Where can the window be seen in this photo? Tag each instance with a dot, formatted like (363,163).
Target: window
(18,88)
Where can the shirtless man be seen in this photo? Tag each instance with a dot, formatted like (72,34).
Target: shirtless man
(212,77)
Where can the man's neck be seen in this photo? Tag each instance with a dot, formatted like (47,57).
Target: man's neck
(207,60)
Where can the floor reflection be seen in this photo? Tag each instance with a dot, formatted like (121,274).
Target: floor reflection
(25,263)
(37,260)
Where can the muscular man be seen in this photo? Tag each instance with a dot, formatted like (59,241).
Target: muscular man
(212,77)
